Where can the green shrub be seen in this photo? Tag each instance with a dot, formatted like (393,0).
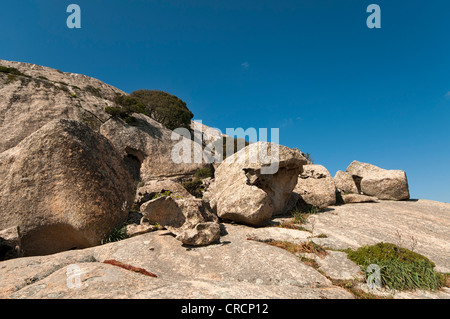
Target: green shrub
(113,110)
(165,108)
(165,193)
(203,172)
(124,108)
(301,214)
(116,234)
(194,187)
(130,104)
(401,269)
(94,91)
(13,71)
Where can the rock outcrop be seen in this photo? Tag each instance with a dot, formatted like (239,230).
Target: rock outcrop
(235,268)
(243,191)
(41,95)
(383,184)
(52,94)
(149,146)
(64,186)
(315,187)
(345,183)
(160,186)
(188,218)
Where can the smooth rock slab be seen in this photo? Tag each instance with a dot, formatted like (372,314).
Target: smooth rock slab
(354,225)
(358,198)
(235,268)
(336,265)
(267,234)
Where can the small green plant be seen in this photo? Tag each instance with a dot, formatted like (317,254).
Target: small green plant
(401,268)
(301,215)
(203,172)
(94,91)
(116,234)
(11,78)
(125,107)
(165,193)
(194,187)
(444,279)
(13,71)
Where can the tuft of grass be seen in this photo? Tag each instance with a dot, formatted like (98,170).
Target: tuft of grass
(165,193)
(203,172)
(444,279)
(194,187)
(117,234)
(292,225)
(401,269)
(13,71)
(93,90)
(301,215)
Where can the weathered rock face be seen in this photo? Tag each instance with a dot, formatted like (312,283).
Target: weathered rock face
(315,187)
(29,102)
(153,187)
(378,182)
(345,183)
(149,145)
(53,94)
(65,186)
(187,218)
(236,268)
(243,192)
(200,235)
(357,198)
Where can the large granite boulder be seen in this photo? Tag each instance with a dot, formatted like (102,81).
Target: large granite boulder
(65,187)
(255,183)
(378,182)
(149,146)
(315,187)
(37,95)
(188,218)
(33,96)
(345,183)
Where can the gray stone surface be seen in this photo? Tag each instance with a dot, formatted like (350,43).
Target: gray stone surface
(358,198)
(316,187)
(426,222)
(344,182)
(65,186)
(234,268)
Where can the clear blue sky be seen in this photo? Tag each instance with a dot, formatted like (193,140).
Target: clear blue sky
(334,87)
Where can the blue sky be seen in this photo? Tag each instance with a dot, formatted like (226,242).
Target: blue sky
(334,87)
